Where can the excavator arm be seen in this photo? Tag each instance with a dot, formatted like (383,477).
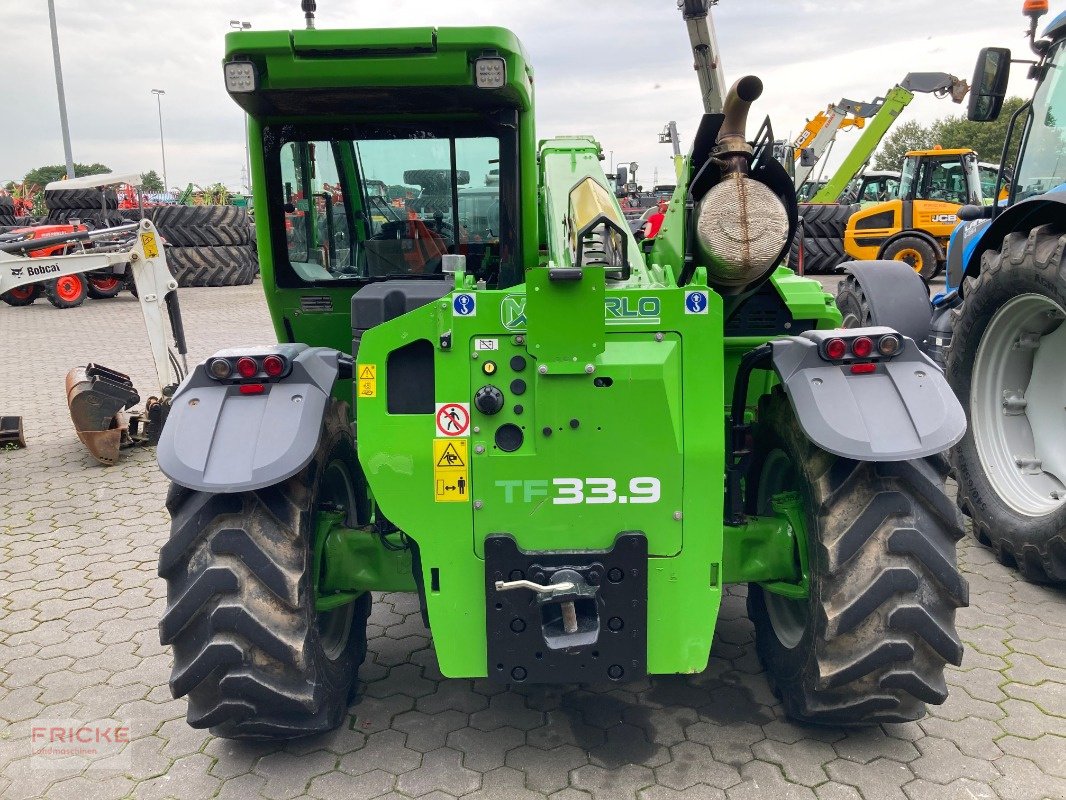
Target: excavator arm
(99,397)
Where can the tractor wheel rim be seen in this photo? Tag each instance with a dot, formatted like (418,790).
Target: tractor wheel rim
(68,287)
(789,617)
(910,256)
(104,284)
(335,625)
(1018,404)
(21,293)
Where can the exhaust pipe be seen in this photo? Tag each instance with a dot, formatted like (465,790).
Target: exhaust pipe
(98,399)
(732,143)
(741,224)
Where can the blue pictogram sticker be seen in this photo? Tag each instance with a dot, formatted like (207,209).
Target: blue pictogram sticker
(464,305)
(695,302)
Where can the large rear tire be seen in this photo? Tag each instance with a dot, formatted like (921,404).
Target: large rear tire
(202,226)
(212,266)
(250,651)
(1006,363)
(870,642)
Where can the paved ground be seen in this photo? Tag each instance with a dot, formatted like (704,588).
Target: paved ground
(80,600)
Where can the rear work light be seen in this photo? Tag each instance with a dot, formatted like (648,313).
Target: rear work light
(247,367)
(241,76)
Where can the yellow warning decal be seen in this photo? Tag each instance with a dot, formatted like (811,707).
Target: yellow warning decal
(151,249)
(368,380)
(451,470)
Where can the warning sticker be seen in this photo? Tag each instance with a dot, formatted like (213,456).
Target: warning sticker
(453,419)
(451,472)
(151,249)
(368,380)
(486,344)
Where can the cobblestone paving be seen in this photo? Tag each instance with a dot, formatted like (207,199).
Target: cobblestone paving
(80,600)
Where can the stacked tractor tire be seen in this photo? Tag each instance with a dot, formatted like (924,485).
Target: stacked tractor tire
(7,212)
(91,207)
(823,237)
(207,245)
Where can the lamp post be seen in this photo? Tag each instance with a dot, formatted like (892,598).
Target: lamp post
(59,89)
(162,149)
(241,25)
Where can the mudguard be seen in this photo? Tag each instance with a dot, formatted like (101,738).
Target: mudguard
(217,439)
(897,296)
(903,410)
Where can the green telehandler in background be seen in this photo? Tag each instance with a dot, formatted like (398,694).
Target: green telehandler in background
(565,441)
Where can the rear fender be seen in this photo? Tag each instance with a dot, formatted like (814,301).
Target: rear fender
(219,440)
(904,410)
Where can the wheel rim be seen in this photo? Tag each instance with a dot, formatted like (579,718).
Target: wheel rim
(21,293)
(1017,402)
(335,625)
(910,256)
(68,288)
(104,284)
(788,617)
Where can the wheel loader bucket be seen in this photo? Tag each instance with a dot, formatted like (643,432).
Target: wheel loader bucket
(98,399)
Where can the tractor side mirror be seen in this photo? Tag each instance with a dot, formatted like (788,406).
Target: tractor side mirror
(989,84)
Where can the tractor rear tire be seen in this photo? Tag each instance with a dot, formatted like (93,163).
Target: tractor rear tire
(820,256)
(68,291)
(1020,292)
(826,220)
(22,295)
(104,287)
(202,226)
(212,266)
(251,653)
(914,251)
(7,205)
(870,642)
(90,199)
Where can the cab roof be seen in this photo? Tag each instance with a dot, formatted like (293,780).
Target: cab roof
(1056,28)
(942,151)
(378,70)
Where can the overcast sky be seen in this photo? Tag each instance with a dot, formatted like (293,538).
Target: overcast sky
(618,69)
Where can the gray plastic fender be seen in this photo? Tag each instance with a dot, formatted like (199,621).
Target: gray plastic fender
(897,296)
(219,440)
(904,410)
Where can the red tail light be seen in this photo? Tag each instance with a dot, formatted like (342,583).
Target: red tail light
(836,349)
(252,388)
(863,369)
(246,367)
(273,366)
(862,347)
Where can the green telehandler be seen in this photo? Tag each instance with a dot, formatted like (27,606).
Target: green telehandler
(565,441)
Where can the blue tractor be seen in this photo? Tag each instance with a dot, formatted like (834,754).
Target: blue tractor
(997,329)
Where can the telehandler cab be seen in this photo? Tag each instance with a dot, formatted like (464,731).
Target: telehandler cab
(565,444)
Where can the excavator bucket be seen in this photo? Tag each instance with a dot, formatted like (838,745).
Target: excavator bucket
(98,398)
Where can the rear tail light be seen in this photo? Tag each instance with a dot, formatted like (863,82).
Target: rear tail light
(889,345)
(252,388)
(247,367)
(219,368)
(862,347)
(863,369)
(273,366)
(836,349)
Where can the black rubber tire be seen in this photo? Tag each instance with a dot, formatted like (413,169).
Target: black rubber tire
(826,220)
(853,305)
(59,199)
(25,297)
(7,205)
(820,256)
(94,220)
(1032,263)
(240,612)
(96,292)
(879,624)
(8,221)
(202,226)
(930,265)
(27,222)
(212,266)
(73,300)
